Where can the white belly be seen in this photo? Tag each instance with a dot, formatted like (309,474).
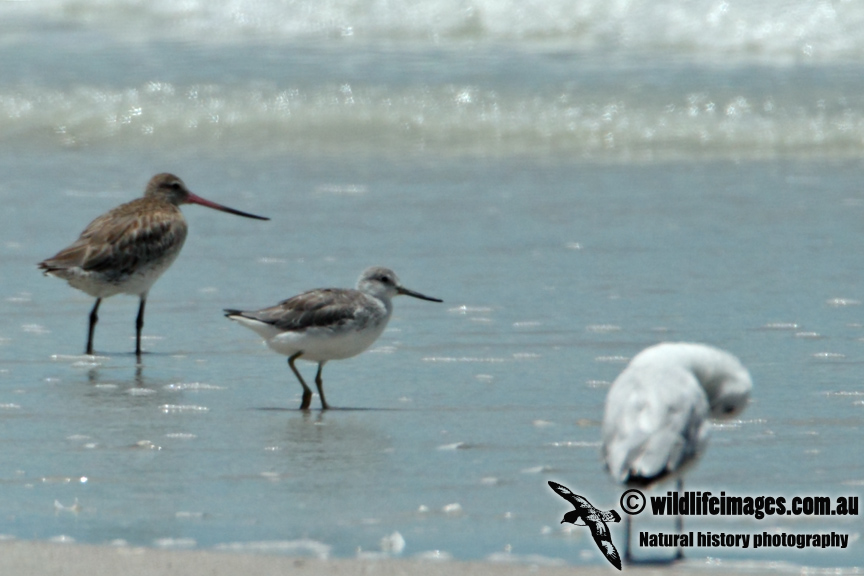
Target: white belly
(102,285)
(322,344)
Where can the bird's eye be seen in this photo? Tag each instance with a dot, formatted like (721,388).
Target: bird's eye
(175,185)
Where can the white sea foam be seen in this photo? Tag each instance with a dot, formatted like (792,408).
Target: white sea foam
(493,78)
(302,547)
(712,29)
(606,122)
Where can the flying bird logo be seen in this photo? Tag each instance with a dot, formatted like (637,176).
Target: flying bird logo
(585,514)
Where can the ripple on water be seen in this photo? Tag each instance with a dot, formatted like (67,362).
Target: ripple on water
(537,470)
(842,302)
(453,509)
(575,444)
(809,335)
(183,409)
(603,328)
(781,326)
(612,359)
(192,386)
(465,310)
(828,356)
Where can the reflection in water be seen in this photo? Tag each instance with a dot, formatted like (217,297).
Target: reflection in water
(125,388)
(337,437)
(93,376)
(335,443)
(308,415)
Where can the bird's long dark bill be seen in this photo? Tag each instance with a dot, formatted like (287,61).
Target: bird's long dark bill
(407,292)
(193,199)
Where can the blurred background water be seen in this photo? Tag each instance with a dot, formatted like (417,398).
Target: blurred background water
(576,180)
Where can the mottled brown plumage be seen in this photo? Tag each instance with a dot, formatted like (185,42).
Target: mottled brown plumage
(127,249)
(119,243)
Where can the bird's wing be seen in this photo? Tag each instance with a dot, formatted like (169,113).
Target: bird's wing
(601,535)
(322,307)
(123,238)
(578,502)
(586,511)
(610,516)
(655,422)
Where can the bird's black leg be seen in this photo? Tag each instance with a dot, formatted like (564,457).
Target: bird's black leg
(679,521)
(307,393)
(320,384)
(139,324)
(94,318)
(627,557)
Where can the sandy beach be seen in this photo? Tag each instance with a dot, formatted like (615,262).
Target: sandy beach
(45,559)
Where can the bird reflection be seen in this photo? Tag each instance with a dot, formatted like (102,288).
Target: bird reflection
(93,376)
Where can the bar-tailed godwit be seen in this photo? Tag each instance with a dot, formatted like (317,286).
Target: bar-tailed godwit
(127,249)
(328,323)
(656,418)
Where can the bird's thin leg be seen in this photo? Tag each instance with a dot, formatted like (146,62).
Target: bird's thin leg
(94,318)
(679,521)
(320,384)
(627,557)
(139,324)
(307,393)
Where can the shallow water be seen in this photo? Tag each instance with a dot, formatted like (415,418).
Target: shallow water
(560,250)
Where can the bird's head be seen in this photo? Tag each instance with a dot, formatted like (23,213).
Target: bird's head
(167,187)
(171,189)
(574,517)
(383,283)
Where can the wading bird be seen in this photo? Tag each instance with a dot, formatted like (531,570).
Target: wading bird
(127,249)
(328,323)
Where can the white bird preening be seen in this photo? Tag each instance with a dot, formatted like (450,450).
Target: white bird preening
(656,420)
(328,323)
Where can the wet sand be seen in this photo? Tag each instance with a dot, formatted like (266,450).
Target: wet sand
(46,559)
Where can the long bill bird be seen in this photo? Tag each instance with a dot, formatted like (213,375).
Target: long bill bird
(125,250)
